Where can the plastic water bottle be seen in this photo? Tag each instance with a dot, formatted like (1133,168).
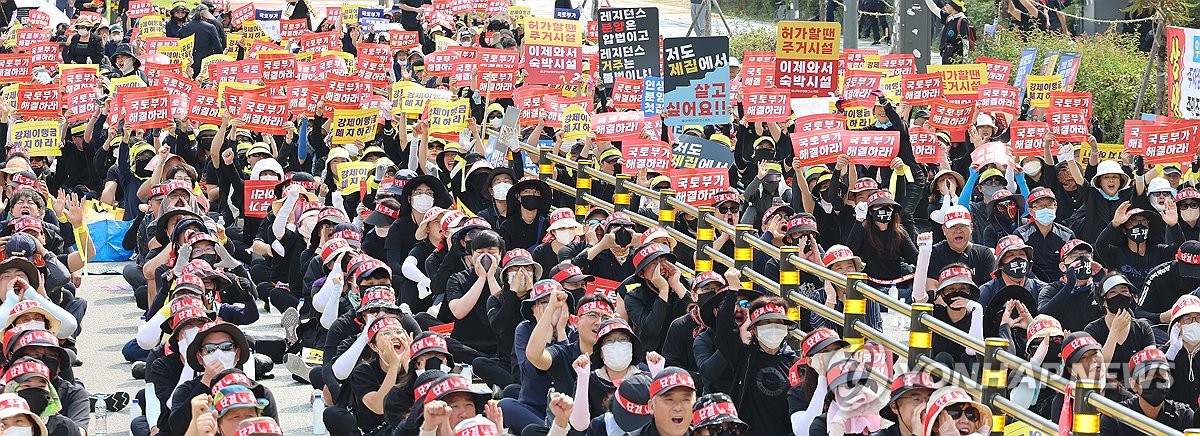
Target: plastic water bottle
(895,294)
(318,420)
(301,307)
(135,409)
(100,418)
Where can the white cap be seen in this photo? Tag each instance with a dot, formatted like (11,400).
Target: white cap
(985,120)
(957,214)
(1159,184)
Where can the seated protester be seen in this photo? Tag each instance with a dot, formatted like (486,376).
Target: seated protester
(760,367)
(654,294)
(1069,299)
(382,365)
(764,189)
(1043,348)
(167,367)
(326,220)
(627,412)
(380,220)
(727,205)
(1004,213)
(232,295)
(260,426)
(714,414)
(1083,360)
(1169,281)
(886,248)
(18,419)
(317,267)
(681,335)
(619,354)
(958,247)
(563,231)
(1150,378)
(469,183)
(419,195)
(450,259)
(275,266)
(32,314)
(1184,337)
(981,185)
(906,405)
(1043,235)
(1109,187)
(529,406)
(1187,202)
(1157,195)
(225,411)
(951,410)
(414,287)
(672,396)
(466,297)
(842,261)
(856,401)
(1013,269)
(553,360)
(774,229)
(132,160)
(955,302)
(1008,314)
(44,346)
(716,370)
(658,235)
(217,347)
(430,361)
(610,257)
(1121,333)
(499,182)
(574,281)
(29,378)
(801,232)
(1132,243)
(518,272)
(534,197)
(451,400)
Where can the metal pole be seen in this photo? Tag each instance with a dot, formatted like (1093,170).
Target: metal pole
(995,382)
(1086,419)
(621,194)
(920,339)
(743,255)
(850,24)
(545,166)
(583,186)
(789,279)
(704,238)
(666,212)
(855,310)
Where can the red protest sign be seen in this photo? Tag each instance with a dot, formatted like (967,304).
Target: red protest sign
(81,104)
(1072,100)
(203,107)
(617,126)
(991,153)
(998,97)
(345,92)
(1028,138)
(289,29)
(818,122)
(257,197)
(767,105)
(627,93)
(403,40)
(233,99)
(28,36)
(223,71)
(298,96)
(1068,125)
(1135,136)
(16,68)
(74,79)
(154,71)
(554,106)
(698,186)
(241,14)
(497,84)
(40,101)
(140,8)
(153,43)
(41,20)
(878,358)
(145,108)
(997,70)
(805,77)
(320,69)
(374,70)
(177,106)
(818,147)
(859,84)
(926,147)
(650,155)
(46,54)
(951,117)
(921,89)
(758,69)
(319,42)
(495,59)
(278,68)
(551,64)
(603,286)
(1170,143)
(531,99)
(871,147)
(440,63)
(264,114)
(899,64)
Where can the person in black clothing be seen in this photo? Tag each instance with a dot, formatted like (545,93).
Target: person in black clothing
(209,40)
(672,396)
(1120,332)
(906,407)
(956,303)
(958,248)
(1043,234)
(718,417)
(610,257)
(761,368)
(499,182)
(1110,187)
(409,12)
(563,232)
(887,252)
(1187,202)
(528,223)
(127,64)
(1182,346)
(466,297)
(1139,250)
(1150,379)
(955,40)
(384,366)
(518,272)
(654,294)
(27,378)
(84,47)
(1069,299)
(1166,283)
(681,335)
(178,19)
(297,9)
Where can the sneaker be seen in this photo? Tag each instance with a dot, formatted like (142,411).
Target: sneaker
(290,321)
(117,401)
(296,366)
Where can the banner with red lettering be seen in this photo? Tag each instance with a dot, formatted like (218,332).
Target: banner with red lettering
(951,117)
(243,13)
(926,147)
(1028,138)
(145,108)
(257,197)
(345,92)
(1169,143)
(899,64)
(41,20)
(289,29)
(319,42)
(531,99)
(1068,125)
(1135,136)
(698,186)
(650,155)
(1072,100)
(38,101)
(264,114)
(47,54)
(818,147)
(758,69)
(999,97)
(767,105)
(859,84)
(16,67)
(320,69)
(871,147)
(618,126)
(223,71)
(921,89)
(997,70)
(204,107)
(819,122)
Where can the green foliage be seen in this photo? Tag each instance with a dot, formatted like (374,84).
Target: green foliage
(981,12)
(1177,12)
(1111,69)
(752,39)
(763,10)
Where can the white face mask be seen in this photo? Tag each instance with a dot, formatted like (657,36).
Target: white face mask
(18,431)
(564,236)
(443,368)
(617,355)
(382,231)
(422,202)
(500,190)
(83,32)
(34,325)
(1033,167)
(495,122)
(1190,214)
(1191,333)
(227,358)
(771,335)
(306,228)
(189,334)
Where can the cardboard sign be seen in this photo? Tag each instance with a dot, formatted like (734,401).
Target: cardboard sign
(997,70)
(257,196)
(817,122)
(416,99)
(650,155)
(555,106)
(403,40)
(921,89)
(264,114)
(695,152)
(576,123)
(818,147)
(349,175)
(290,29)
(39,101)
(317,43)
(960,80)
(1107,152)
(1038,89)
(767,105)
(146,109)
(41,138)
(698,186)
(150,26)
(27,37)
(278,69)
(806,57)
(1072,100)
(926,147)
(1027,138)
(628,43)
(1068,125)
(873,148)
(951,117)
(1169,144)
(1000,98)
(618,126)
(654,101)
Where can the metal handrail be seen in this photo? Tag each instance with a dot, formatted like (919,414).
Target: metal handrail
(1094,399)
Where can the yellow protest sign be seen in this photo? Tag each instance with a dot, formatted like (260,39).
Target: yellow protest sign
(10,38)
(576,123)
(41,138)
(304,56)
(350,14)
(415,98)
(1038,89)
(441,42)
(859,116)
(1107,152)
(961,79)
(550,31)
(9,94)
(351,124)
(808,40)
(872,61)
(150,25)
(173,52)
(519,13)
(349,175)
(252,30)
(447,116)
(232,41)
(891,88)
(398,90)
(126,82)
(188,46)
(213,58)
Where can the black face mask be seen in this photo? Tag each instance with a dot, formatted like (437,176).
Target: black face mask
(211,259)
(433,363)
(616,170)
(530,202)
(139,168)
(476,181)
(883,214)
(691,224)
(1138,233)
(1084,270)
(37,398)
(761,154)
(1016,268)
(949,298)
(1117,303)
(1053,353)
(1154,391)
(623,238)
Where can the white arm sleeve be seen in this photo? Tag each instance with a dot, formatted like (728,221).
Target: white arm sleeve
(919,294)
(10,299)
(344,365)
(410,270)
(281,221)
(801,421)
(331,289)
(976,324)
(68,323)
(149,334)
(330,314)
(581,415)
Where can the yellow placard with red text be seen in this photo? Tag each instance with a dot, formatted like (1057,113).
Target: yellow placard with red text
(810,40)
(1038,89)
(961,79)
(550,31)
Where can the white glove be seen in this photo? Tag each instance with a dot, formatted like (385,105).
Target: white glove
(423,289)
(1039,355)
(1176,343)
(860,211)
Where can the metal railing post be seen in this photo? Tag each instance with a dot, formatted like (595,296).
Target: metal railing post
(920,339)
(704,238)
(666,212)
(994,381)
(583,186)
(854,310)
(743,255)
(789,279)
(545,166)
(621,193)
(1085,419)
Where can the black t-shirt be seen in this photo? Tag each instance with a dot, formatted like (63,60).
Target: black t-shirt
(561,372)
(473,330)
(409,19)
(1140,336)
(981,260)
(519,234)
(366,378)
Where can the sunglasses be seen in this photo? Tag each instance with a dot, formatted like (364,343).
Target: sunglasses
(212,348)
(727,209)
(1188,205)
(967,410)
